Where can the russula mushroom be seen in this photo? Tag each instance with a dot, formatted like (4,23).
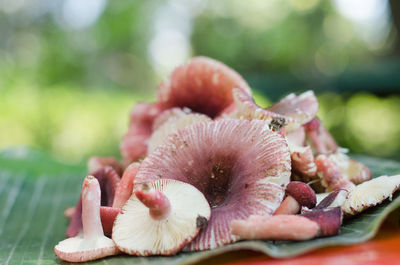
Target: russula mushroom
(333,199)
(303,163)
(125,186)
(92,244)
(318,137)
(134,142)
(370,193)
(329,220)
(172,125)
(170,114)
(108,179)
(295,110)
(239,165)
(353,170)
(331,177)
(298,194)
(277,227)
(203,84)
(160,218)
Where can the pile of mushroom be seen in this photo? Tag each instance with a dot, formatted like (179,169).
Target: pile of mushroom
(205,166)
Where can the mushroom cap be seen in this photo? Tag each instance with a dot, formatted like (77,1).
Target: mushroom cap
(303,193)
(203,85)
(329,219)
(240,166)
(172,125)
(166,115)
(136,233)
(78,249)
(295,110)
(134,142)
(370,193)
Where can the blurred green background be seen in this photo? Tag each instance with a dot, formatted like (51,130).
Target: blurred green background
(70,70)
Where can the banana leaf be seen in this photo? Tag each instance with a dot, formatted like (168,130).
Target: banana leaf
(35,189)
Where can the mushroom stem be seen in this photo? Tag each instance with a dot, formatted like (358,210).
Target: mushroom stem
(320,139)
(125,187)
(279,227)
(158,204)
(288,206)
(91,208)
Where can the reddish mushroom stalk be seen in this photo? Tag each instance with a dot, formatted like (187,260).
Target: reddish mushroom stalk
(158,204)
(91,224)
(125,187)
(278,227)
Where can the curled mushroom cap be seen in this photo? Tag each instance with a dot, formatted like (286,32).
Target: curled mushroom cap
(160,218)
(241,167)
(370,193)
(203,85)
(295,110)
(93,244)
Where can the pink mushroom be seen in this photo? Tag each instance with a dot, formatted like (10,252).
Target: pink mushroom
(93,244)
(318,137)
(134,143)
(241,167)
(108,179)
(295,110)
(204,85)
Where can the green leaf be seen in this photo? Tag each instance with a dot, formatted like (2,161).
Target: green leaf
(35,190)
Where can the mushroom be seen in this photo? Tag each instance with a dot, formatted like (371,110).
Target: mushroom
(298,194)
(172,125)
(303,163)
(296,110)
(203,84)
(134,142)
(329,220)
(318,137)
(277,227)
(239,165)
(370,193)
(169,114)
(160,218)
(353,170)
(333,199)
(332,178)
(92,244)
(125,186)
(108,179)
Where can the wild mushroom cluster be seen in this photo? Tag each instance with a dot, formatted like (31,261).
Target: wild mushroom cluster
(205,166)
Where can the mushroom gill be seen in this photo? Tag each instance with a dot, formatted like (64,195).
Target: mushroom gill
(240,166)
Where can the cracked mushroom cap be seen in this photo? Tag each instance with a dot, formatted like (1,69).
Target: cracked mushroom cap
(294,110)
(92,244)
(160,218)
(240,166)
(203,84)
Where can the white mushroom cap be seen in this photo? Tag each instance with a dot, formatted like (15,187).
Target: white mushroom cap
(92,244)
(136,232)
(370,193)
